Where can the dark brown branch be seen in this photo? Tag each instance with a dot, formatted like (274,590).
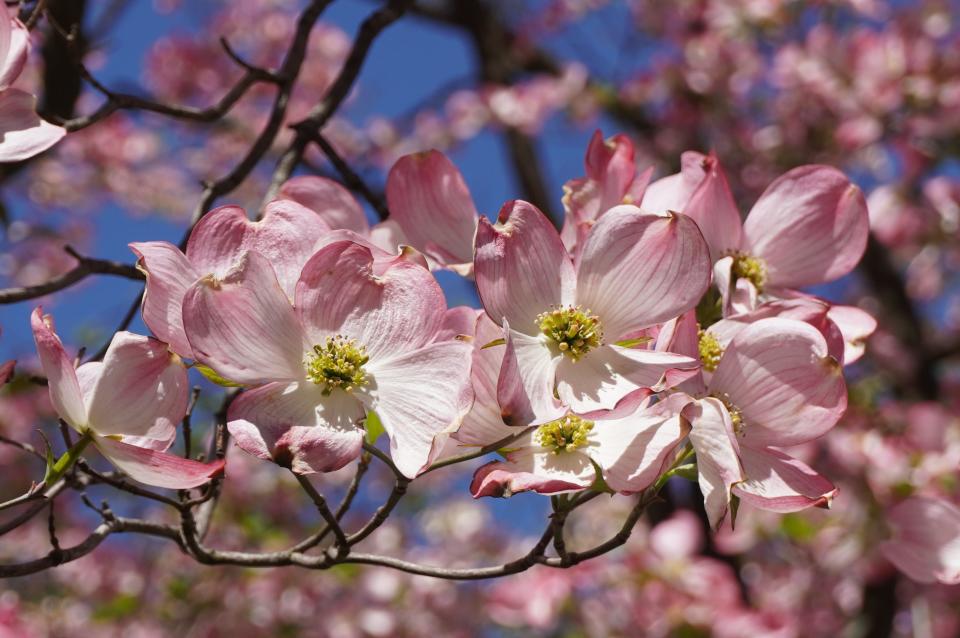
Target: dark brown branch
(371,27)
(86,266)
(353,181)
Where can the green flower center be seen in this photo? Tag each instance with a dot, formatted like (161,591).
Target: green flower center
(564,435)
(337,363)
(750,268)
(574,331)
(710,350)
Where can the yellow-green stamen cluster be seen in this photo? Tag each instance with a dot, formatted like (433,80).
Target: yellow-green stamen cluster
(710,350)
(750,268)
(736,417)
(574,331)
(337,363)
(564,435)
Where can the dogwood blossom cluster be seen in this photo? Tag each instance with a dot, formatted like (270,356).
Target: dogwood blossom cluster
(655,330)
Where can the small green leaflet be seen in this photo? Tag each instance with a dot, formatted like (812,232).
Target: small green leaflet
(373,427)
(216,378)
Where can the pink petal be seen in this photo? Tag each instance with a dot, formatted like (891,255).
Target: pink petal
(599,380)
(638,269)
(856,326)
(718,464)
(387,236)
(809,226)
(633,451)
(62,380)
(712,207)
(521,267)
(243,326)
(6,371)
(681,336)
(169,276)
(525,387)
(483,424)
(926,540)
(419,395)
(141,388)
(672,193)
(807,309)
(159,469)
(296,426)
(462,320)
(6,34)
(780,483)
(24,133)
(328,199)
(610,164)
(430,202)
(532,468)
(399,310)
(285,236)
(780,376)
(13,55)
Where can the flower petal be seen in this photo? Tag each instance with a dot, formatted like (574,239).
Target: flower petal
(243,326)
(483,424)
(141,389)
(634,451)
(534,469)
(856,326)
(297,426)
(718,465)
(419,395)
(332,202)
(159,469)
(62,379)
(672,193)
(712,207)
(780,376)
(778,482)
(810,226)
(430,202)
(599,380)
(926,540)
(398,310)
(14,58)
(285,236)
(639,269)
(521,267)
(169,276)
(525,387)
(24,133)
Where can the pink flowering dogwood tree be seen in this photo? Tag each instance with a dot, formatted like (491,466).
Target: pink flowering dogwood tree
(366,338)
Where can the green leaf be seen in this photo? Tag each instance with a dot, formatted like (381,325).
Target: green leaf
(373,427)
(687,471)
(632,343)
(213,377)
(57,469)
(496,342)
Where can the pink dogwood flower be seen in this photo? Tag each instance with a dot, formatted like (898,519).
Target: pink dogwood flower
(773,385)
(567,327)
(611,180)
(808,227)
(925,543)
(287,236)
(128,405)
(23,133)
(562,455)
(359,338)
